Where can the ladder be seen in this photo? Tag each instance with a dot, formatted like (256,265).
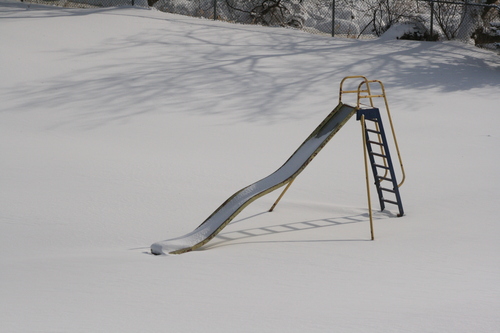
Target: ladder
(376,144)
(380,158)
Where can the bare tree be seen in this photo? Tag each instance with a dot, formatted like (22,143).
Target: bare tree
(382,14)
(265,12)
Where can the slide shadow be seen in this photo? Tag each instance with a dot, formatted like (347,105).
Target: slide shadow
(258,234)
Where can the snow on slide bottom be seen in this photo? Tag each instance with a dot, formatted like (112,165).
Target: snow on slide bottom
(238,201)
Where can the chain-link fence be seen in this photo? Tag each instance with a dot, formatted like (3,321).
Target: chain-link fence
(466,20)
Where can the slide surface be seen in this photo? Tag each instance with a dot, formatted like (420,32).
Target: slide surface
(238,201)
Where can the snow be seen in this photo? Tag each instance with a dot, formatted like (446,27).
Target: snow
(123,126)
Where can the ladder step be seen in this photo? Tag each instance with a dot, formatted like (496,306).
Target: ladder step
(376,143)
(375,120)
(378,154)
(373,131)
(382,166)
(384,178)
(387,189)
(391,202)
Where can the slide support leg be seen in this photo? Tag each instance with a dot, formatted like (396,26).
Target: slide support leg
(365,153)
(281,195)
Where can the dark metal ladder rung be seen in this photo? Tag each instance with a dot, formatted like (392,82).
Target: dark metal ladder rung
(372,131)
(378,154)
(391,202)
(381,166)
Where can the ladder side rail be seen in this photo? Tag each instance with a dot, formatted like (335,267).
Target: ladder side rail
(391,170)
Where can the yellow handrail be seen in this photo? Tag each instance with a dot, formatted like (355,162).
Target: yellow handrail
(351,91)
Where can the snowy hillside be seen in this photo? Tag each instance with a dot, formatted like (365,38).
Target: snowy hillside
(120,127)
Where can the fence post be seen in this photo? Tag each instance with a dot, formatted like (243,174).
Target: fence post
(432,19)
(333,18)
(215,10)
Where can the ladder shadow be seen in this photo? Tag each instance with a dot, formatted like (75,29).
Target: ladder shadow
(252,234)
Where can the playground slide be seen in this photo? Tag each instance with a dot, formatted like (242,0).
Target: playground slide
(238,201)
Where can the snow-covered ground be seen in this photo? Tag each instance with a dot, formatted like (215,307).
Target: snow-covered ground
(121,127)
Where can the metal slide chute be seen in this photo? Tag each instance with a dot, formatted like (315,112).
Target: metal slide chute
(283,176)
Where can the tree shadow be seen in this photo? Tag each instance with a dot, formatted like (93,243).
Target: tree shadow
(249,73)
(51,9)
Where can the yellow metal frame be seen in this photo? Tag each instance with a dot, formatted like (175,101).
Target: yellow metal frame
(364,91)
